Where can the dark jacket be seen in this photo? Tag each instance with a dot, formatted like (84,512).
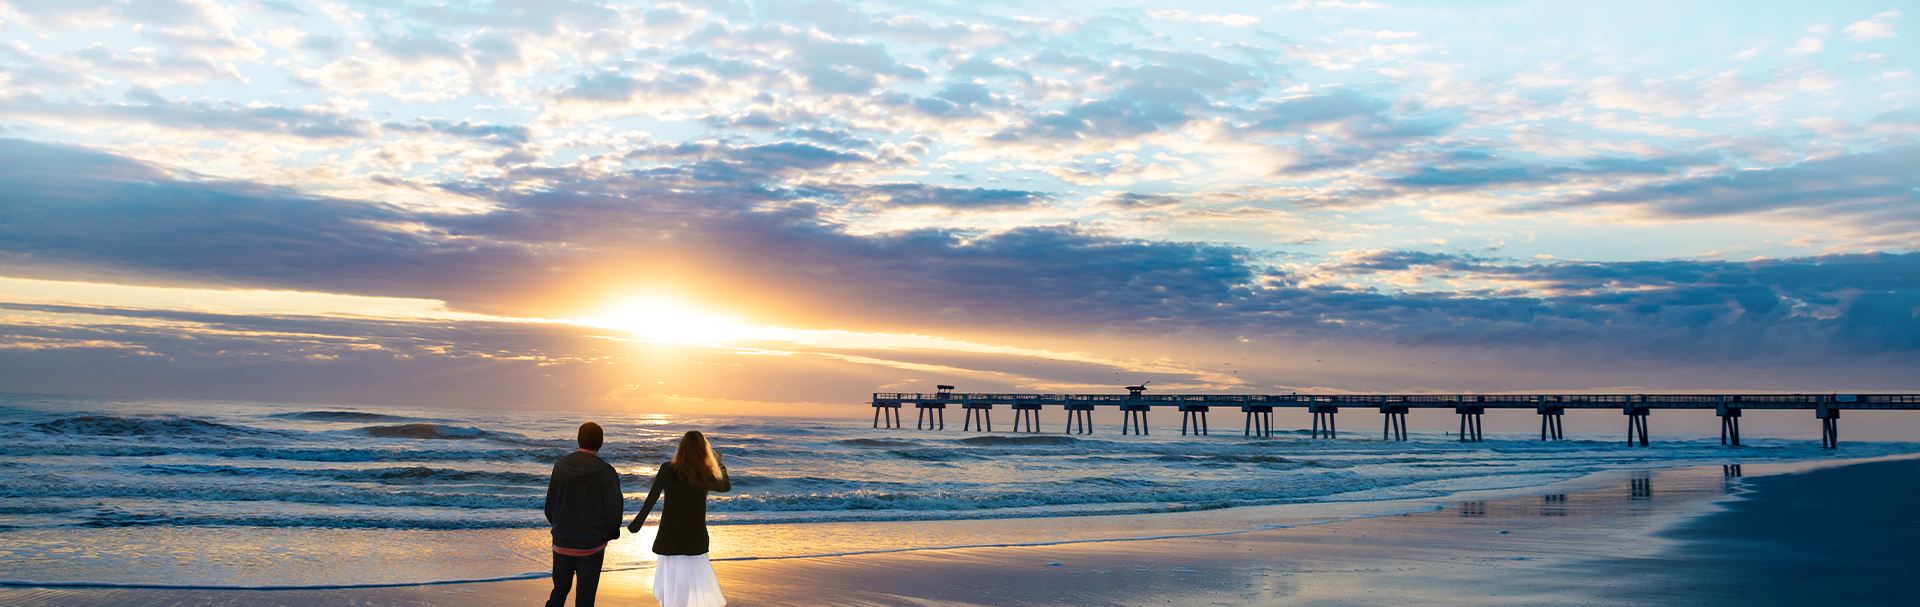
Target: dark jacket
(683,518)
(583,501)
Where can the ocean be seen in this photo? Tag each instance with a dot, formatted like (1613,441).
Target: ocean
(248,494)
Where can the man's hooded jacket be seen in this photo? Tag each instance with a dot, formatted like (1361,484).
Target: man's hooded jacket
(583,501)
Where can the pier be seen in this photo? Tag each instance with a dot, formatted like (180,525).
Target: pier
(1258,410)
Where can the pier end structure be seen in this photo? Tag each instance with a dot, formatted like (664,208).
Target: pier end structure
(1258,409)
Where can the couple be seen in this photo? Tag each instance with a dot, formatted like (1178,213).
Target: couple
(584,505)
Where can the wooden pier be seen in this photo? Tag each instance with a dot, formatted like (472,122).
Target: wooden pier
(1258,409)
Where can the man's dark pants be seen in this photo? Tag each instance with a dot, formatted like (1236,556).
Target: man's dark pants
(565,568)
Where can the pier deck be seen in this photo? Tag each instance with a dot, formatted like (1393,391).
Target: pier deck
(1259,409)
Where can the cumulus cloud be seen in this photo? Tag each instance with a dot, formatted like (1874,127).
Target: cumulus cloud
(1879,27)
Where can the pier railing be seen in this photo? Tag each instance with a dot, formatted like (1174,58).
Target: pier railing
(1259,409)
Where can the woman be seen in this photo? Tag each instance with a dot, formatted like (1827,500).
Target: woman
(683,577)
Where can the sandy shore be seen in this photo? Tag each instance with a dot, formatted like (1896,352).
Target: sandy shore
(1688,536)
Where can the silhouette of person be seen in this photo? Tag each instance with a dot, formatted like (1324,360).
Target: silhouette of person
(584,506)
(684,577)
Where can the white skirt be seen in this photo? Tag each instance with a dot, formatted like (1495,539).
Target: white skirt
(686,581)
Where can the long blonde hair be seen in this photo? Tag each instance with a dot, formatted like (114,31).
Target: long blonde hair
(694,461)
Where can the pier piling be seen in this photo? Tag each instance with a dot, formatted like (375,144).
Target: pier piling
(927,413)
(1080,415)
(1323,421)
(1636,424)
(1829,427)
(1198,415)
(1550,427)
(1395,428)
(1134,415)
(1729,426)
(888,413)
(1259,420)
(979,415)
(1470,423)
(1028,414)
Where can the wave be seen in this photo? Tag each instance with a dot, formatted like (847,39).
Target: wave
(933,455)
(873,442)
(302,454)
(342,416)
(1108,481)
(410,475)
(1128,494)
(109,425)
(1002,441)
(111,518)
(424,431)
(531,501)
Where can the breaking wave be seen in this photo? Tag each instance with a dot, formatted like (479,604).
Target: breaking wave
(342,416)
(425,431)
(109,425)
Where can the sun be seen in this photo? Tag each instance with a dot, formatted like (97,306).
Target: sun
(669,319)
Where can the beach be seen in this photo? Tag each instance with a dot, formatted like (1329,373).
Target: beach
(1779,535)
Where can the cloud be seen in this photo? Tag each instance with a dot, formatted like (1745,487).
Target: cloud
(918,195)
(1180,15)
(1309,110)
(1873,193)
(1828,301)
(613,94)
(1170,91)
(96,63)
(149,353)
(850,67)
(135,219)
(1337,4)
(497,134)
(149,109)
(1807,46)
(1879,27)
(533,157)
(77,14)
(1477,175)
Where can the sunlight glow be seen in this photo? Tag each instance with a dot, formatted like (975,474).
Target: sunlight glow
(667,319)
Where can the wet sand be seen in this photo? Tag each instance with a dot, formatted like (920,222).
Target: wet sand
(1688,536)
(1837,536)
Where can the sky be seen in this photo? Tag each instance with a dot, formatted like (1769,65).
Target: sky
(782,207)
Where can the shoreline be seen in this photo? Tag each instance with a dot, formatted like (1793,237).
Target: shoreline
(1531,545)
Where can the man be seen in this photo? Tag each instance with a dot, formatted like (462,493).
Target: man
(583,504)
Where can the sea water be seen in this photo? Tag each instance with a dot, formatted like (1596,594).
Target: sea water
(246,494)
